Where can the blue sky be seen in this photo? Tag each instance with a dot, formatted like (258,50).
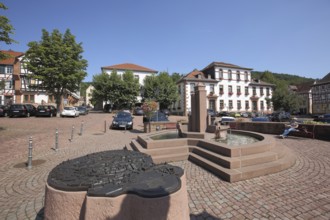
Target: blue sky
(282,36)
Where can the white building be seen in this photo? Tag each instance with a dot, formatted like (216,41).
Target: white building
(228,87)
(139,72)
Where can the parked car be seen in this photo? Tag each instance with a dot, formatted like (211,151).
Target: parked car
(226,119)
(4,110)
(82,110)
(25,110)
(261,118)
(122,120)
(223,113)
(107,108)
(280,116)
(323,118)
(167,112)
(46,110)
(138,111)
(156,116)
(211,113)
(70,112)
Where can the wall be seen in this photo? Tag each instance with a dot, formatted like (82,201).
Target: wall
(313,131)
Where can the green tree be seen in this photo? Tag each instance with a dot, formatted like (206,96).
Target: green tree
(6,29)
(56,63)
(161,88)
(176,77)
(121,91)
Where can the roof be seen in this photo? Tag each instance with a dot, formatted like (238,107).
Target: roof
(305,87)
(129,66)
(226,65)
(258,82)
(324,80)
(13,56)
(196,75)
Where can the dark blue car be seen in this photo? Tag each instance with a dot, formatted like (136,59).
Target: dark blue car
(122,120)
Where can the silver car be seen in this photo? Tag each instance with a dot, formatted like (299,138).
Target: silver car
(70,112)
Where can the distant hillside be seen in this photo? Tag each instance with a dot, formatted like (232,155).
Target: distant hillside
(287,78)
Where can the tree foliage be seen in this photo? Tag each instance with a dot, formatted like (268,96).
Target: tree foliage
(161,88)
(282,98)
(56,63)
(121,91)
(6,29)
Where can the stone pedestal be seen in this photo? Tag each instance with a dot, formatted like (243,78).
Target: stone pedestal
(116,185)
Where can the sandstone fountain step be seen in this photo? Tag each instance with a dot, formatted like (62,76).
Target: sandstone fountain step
(235,162)
(247,172)
(164,154)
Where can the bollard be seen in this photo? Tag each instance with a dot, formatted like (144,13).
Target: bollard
(72,131)
(56,140)
(81,128)
(30,154)
(105,126)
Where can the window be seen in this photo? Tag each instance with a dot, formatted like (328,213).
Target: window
(238,76)
(179,89)
(9,69)
(239,104)
(31,98)
(267,92)
(246,90)
(247,105)
(230,104)
(230,90)
(230,75)
(261,91)
(238,89)
(136,77)
(2,70)
(254,91)
(221,91)
(26,98)
(262,105)
(212,88)
(222,106)
(192,87)
(220,74)
(246,76)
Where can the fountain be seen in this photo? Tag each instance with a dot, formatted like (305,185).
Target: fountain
(232,161)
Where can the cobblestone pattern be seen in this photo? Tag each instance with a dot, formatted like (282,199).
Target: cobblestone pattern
(301,192)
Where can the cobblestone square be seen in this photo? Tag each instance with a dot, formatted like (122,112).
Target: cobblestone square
(301,192)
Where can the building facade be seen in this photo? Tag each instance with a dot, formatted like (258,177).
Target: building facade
(20,88)
(139,72)
(9,70)
(321,96)
(228,87)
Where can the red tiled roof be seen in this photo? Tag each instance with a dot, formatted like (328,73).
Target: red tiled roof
(129,66)
(13,56)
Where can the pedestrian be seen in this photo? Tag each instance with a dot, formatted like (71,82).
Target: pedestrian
(290,127)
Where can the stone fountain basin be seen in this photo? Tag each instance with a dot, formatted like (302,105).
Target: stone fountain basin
(231,163)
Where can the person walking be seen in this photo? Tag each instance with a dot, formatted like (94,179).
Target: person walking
(290,127)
